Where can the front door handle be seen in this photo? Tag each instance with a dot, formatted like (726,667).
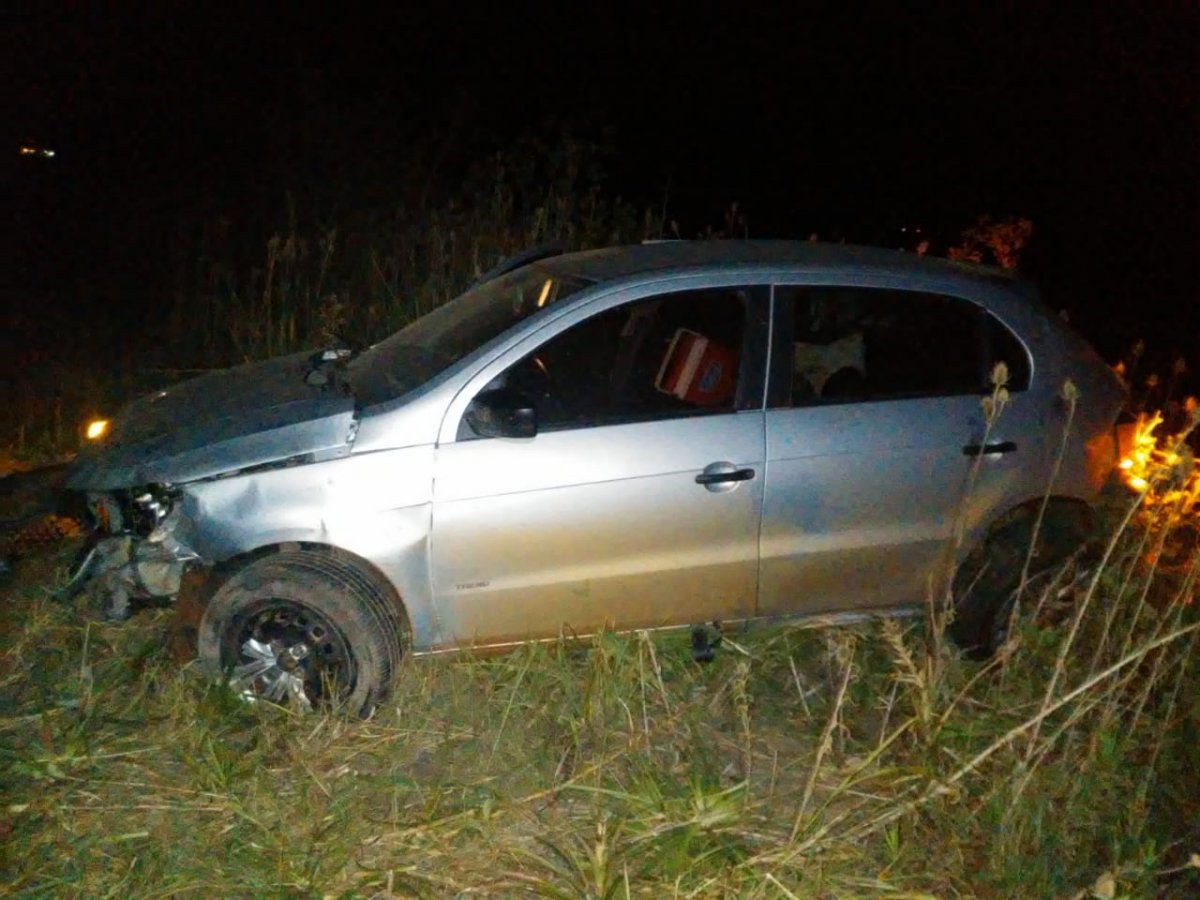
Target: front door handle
(988,449)
(722,477)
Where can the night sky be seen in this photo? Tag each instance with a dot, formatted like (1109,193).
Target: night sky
(812,119)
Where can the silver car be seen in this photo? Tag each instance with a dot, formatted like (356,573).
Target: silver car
(668,434)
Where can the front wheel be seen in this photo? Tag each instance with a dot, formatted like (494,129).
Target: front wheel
(305,629)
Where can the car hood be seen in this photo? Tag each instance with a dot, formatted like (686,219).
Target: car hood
(251,415)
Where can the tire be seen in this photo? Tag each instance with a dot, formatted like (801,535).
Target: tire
(986,585)
(307,629)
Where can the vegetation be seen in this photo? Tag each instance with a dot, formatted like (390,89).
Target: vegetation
(996,242)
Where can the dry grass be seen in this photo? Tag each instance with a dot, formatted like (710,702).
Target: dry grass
(801,763)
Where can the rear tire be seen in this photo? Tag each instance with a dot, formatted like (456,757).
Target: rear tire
(987,584)
(304,628)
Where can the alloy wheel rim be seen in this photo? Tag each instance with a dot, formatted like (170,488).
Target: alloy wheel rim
(291,655)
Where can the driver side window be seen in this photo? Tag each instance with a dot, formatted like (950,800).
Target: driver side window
(662,357)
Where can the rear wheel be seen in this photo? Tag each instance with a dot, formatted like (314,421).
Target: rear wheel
(988,585)
(305,629)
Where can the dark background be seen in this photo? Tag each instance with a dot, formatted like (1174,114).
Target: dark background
(845,121)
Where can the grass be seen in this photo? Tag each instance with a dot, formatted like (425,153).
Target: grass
(854,761)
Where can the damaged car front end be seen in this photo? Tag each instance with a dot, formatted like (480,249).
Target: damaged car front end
(135,552)
(138,479)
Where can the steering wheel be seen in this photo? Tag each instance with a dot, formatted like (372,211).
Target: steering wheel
(532,377)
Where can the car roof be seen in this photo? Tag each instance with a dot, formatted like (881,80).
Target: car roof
(613,263)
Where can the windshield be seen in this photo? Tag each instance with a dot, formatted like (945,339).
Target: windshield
(434,342)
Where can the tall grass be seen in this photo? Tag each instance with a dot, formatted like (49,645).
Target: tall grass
(801,763)
(354,270)
(381,267)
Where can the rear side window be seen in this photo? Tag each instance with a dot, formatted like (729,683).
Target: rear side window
(865,344)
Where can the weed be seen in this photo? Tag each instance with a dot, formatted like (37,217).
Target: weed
(616,767)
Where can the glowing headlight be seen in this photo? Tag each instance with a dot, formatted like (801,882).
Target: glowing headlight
(96,429)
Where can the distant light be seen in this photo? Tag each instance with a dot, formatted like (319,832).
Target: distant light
(97,429)
(47,153)
(30,150)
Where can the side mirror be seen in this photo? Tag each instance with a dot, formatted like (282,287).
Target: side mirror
(502,412)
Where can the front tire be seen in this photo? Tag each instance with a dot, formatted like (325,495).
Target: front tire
(306,629)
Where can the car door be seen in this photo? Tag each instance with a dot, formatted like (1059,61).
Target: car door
(873,440)
(638,502)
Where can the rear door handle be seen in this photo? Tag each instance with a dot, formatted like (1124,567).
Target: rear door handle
(987,449)
(721,477)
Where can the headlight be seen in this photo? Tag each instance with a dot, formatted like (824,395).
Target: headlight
(149,506)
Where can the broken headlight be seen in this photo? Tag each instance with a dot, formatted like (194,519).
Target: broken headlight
(148,507)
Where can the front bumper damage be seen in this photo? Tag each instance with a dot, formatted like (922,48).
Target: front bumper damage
(137,553)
